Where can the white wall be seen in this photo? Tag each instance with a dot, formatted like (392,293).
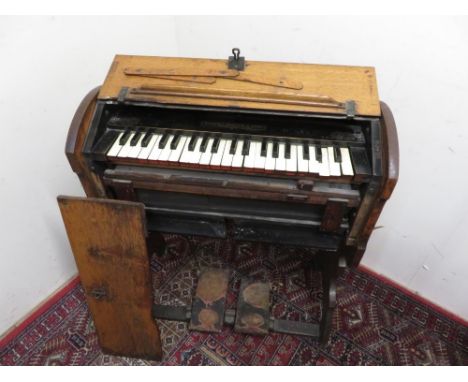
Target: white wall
(48,64)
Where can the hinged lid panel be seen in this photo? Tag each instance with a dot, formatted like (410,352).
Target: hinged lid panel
(330,89)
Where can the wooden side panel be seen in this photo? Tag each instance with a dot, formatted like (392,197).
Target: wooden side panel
(262,85)
(107,238)
(75,140)
(391,163)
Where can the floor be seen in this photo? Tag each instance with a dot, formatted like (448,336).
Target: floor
(374,324)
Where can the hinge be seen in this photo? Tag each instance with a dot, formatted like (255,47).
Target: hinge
(350,109)
(122,94)
(98,293)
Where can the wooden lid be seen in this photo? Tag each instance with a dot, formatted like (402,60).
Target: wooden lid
(262,85)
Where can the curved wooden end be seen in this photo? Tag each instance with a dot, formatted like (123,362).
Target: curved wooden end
(73,137)
(392,160)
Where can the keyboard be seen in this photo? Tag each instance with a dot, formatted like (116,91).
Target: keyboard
(237,152)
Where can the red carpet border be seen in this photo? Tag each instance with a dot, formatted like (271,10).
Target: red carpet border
(374,324)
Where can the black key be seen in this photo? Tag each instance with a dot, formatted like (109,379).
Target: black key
(360,161)
(246,146)
(124,138)
(147,138)
(164,139)
(318,153)
(337,154)
(263,151)
(106,142)
(214,148)
(204,142)
(175,141)
(193,142)
(232,149)
(287,150)
(135,138)
(305,150)
(275,149)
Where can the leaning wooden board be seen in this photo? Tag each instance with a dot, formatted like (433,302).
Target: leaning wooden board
(107,238)
(262,85)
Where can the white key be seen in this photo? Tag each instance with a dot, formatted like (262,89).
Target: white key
(177,152)
(302,164)
(166,151)
(291,163)
(206,156)
(156,150)
(249,160)
(238,158)
(314,165)
(280,163)
(135,150)
(259,160)
(196,153)
(334,166)
(227,156)
(123,153)
(346,165)
(269,160)
(186,154)
(146,151)
(114,150)
(217,157)
(324,167)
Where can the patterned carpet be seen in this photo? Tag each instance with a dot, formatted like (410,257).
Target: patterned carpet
(374,324)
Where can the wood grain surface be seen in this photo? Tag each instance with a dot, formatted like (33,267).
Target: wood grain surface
(107,238)
(285,81)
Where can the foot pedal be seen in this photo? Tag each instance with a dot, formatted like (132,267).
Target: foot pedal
(253,308)
(209,301)
(252,315)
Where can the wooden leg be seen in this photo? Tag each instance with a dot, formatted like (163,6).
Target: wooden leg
(329,267)
(156,244)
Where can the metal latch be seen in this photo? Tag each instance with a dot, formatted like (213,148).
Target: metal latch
(236,61)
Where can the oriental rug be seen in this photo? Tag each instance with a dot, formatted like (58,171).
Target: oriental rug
(374,323)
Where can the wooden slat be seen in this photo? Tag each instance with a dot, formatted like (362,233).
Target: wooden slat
(284,80)
(107,238)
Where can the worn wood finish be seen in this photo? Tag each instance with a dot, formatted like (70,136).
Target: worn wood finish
(122,180)
(333,215)
(390,150)
(390,161)
(79,127)
(328,263)
(108,242)
(284,80)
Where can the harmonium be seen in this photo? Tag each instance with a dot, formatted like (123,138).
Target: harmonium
(287,153)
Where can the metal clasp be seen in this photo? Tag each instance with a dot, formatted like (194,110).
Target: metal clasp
(236,61)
